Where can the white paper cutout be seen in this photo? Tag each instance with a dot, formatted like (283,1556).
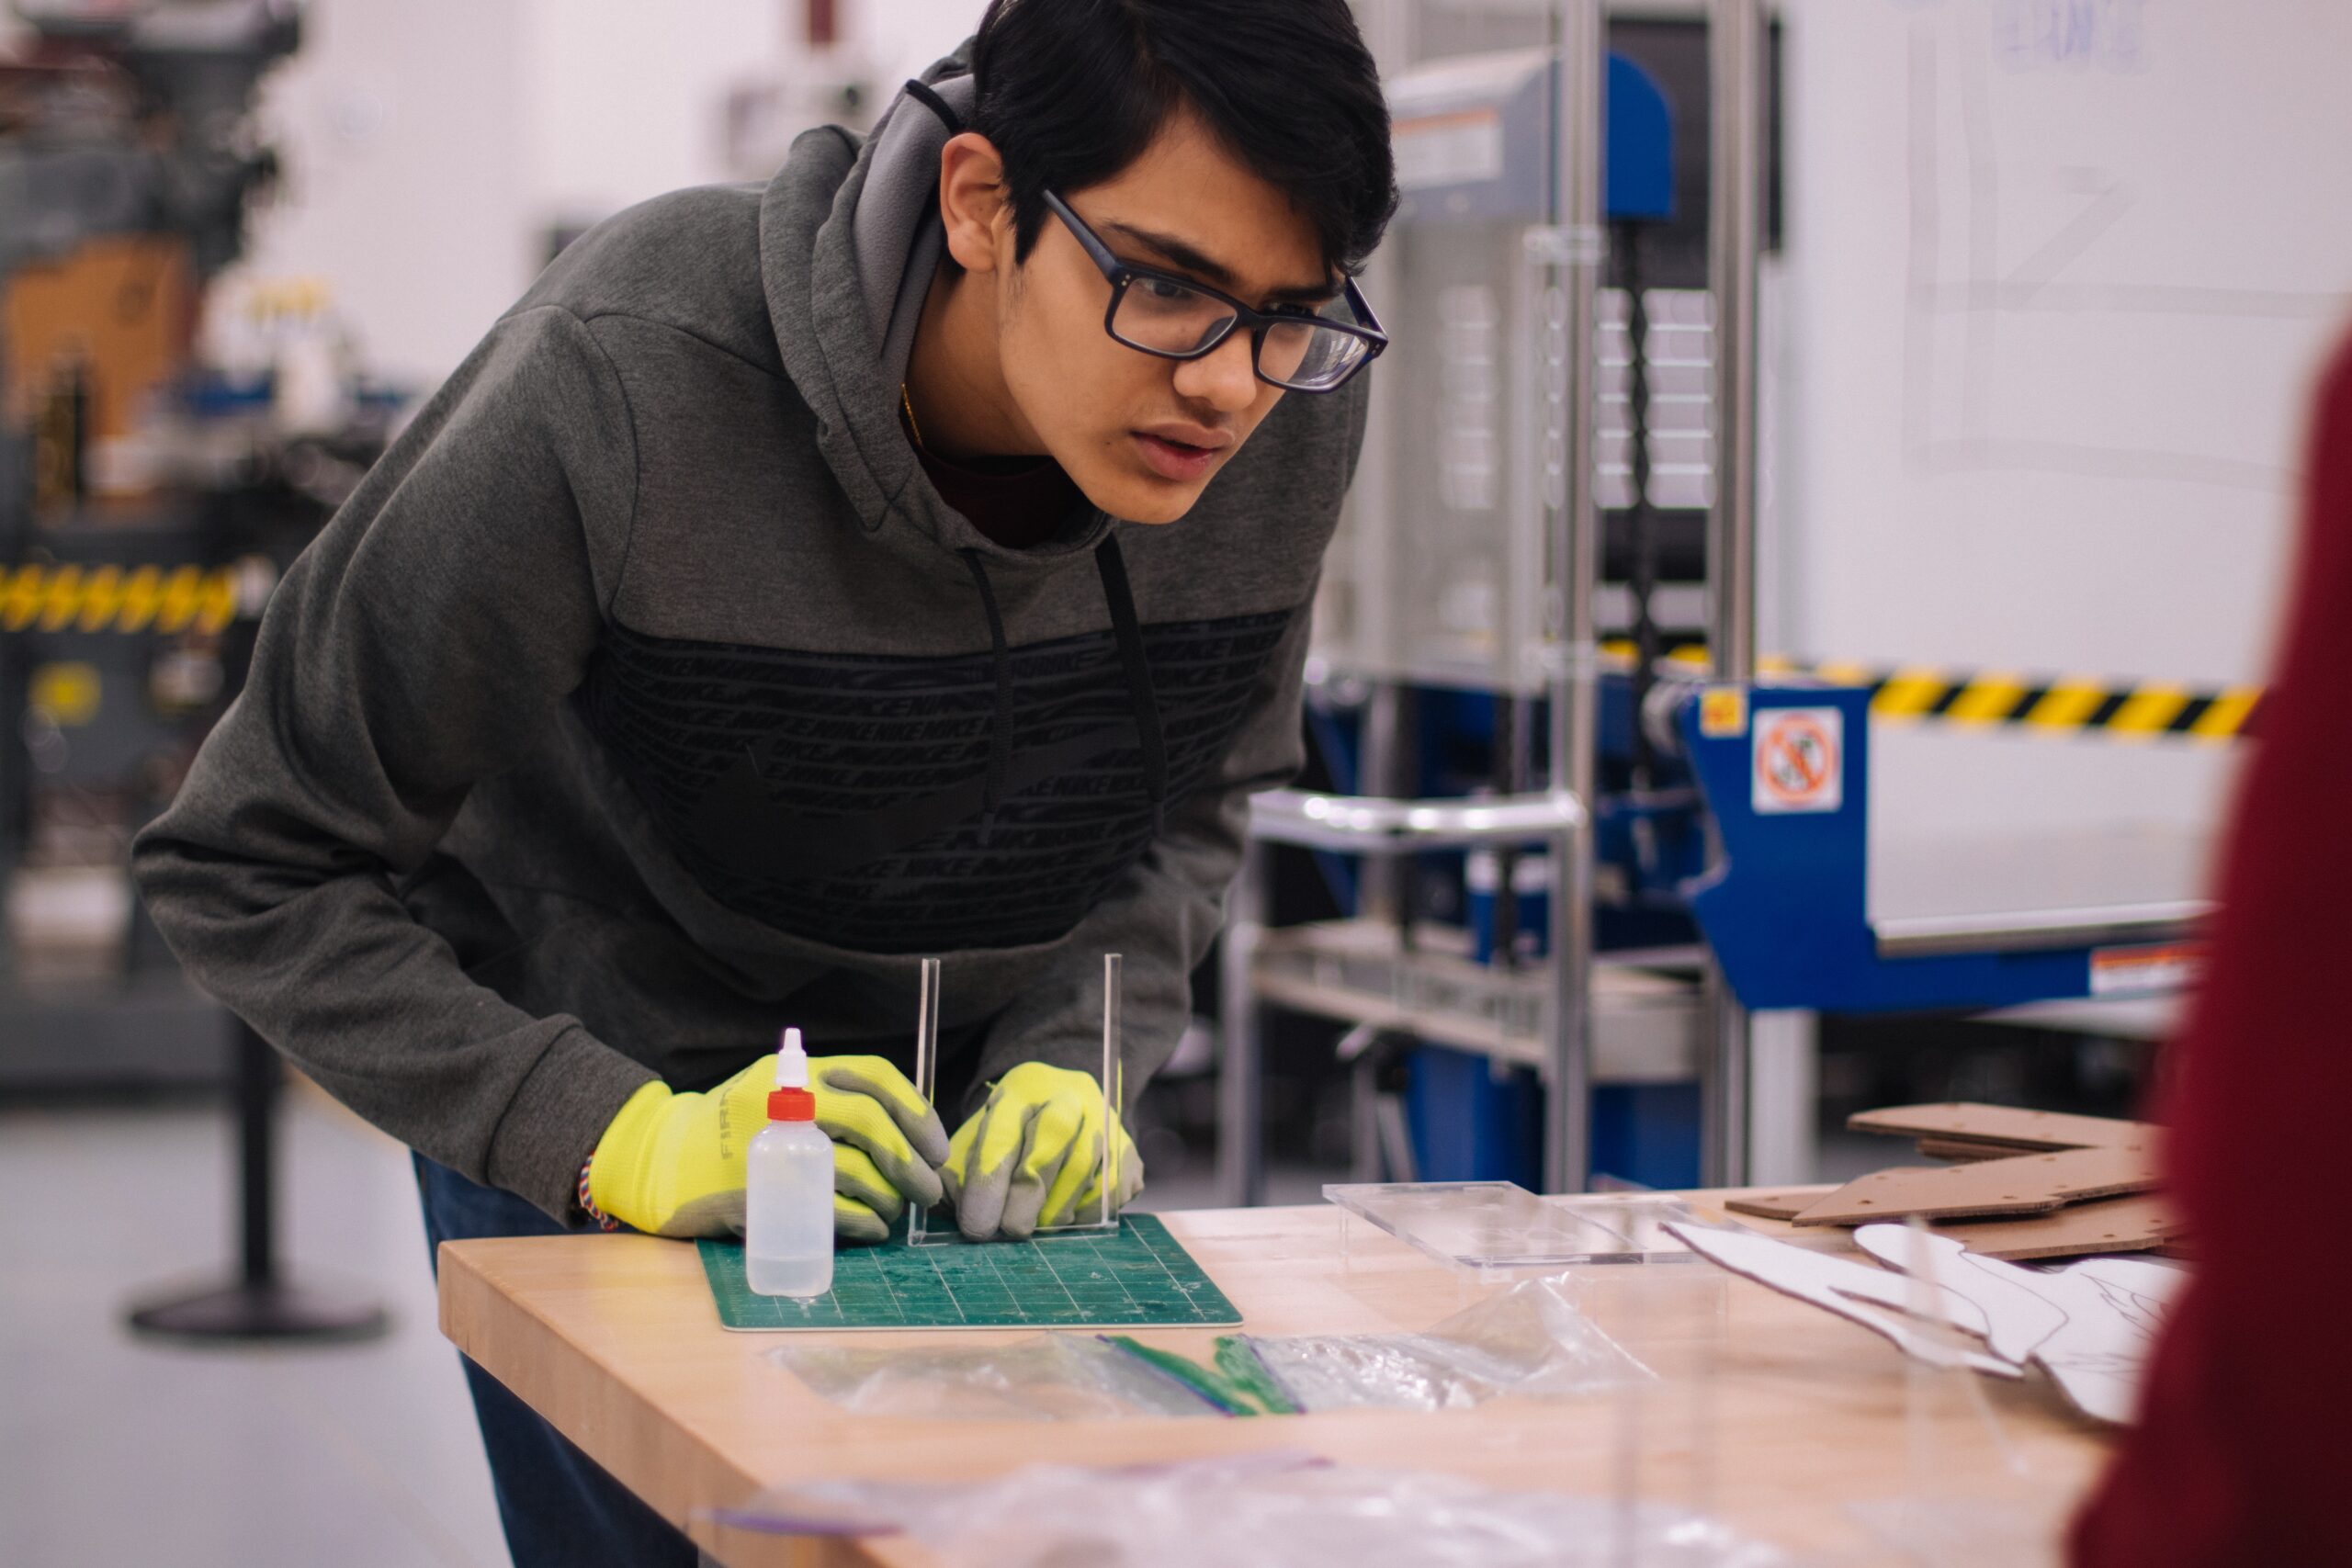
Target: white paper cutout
(1848,1289)
(2090,1324)
(2018,1317)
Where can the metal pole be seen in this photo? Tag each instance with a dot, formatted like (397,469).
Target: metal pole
(259,1303)
(1380,882)
(1577,246)
(1736,40)
(258,1078)
(1241,1092)
(1723,1086)
(1734,238)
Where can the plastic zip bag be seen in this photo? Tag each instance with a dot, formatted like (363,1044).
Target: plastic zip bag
(1529,1340)
(1265,1510)
(1042,1377)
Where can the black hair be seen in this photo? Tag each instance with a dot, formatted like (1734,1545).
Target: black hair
(1071,91)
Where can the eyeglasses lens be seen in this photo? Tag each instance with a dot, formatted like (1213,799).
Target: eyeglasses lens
(1161,316)
(1168,318)
(1303,355)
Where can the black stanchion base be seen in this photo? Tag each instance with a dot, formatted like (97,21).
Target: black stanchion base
(262,1312)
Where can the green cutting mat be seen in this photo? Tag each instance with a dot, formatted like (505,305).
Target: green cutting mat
(1140,1277)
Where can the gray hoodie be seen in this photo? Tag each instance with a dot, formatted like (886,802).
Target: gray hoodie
(647,698)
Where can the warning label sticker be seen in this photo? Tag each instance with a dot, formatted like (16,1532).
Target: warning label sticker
(2118,971)
(1800,760)
(1723,711)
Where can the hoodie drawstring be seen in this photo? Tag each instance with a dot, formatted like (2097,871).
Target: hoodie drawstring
(1001,724)
(1113,569)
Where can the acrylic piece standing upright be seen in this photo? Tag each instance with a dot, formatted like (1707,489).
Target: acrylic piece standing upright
(1103,1216)
(926,1073)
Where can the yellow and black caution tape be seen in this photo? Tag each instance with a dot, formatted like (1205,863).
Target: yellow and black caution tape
(165,600)
(1990,699)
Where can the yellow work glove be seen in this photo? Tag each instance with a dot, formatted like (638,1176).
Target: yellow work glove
(673,1163)
(1032,1155)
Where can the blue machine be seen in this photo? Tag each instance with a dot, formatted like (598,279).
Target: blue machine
(1785,773)
(1741,823)
(1638,179)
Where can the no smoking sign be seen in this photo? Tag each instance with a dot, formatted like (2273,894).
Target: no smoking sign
(1800,760)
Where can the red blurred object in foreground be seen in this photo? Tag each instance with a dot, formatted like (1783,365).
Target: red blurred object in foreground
(2243,1453)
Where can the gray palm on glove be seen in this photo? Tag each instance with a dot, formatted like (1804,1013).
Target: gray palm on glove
(1032,1154)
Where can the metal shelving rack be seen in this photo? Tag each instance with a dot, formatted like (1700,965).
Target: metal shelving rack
(1366,970)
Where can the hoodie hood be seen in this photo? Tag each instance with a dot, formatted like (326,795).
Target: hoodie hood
(846,278)
(849,242)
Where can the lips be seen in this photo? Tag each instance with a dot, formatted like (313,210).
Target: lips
(1172,458)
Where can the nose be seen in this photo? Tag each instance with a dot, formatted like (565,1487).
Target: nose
(1222,378)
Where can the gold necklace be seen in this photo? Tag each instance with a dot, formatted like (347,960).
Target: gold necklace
(913,429)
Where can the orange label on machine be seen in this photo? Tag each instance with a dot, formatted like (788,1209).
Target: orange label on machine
(2168,966)
(1723,712)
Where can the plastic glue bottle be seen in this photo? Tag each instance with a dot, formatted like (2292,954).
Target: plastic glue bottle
(789,1191)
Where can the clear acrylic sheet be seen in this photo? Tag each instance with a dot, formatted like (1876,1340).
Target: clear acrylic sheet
(1274,1509)
(1530,1341)
(1489,1227)
(921,1231)
(1972,1494)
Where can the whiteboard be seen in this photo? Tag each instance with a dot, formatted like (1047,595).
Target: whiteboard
(2059,274)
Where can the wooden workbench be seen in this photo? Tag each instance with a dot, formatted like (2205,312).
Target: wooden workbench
(1771,1414)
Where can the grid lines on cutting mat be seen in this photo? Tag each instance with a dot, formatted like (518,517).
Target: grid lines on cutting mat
(1140,1275)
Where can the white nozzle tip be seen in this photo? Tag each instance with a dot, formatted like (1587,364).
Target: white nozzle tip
(791,1062)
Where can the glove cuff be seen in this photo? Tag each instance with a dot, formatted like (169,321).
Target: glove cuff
(621,1172)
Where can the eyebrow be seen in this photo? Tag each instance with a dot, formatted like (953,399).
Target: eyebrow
(1191,260)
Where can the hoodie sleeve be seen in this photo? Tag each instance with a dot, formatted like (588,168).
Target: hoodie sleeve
(1162,916)
(423,642)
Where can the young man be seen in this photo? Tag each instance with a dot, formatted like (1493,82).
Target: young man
(912,558)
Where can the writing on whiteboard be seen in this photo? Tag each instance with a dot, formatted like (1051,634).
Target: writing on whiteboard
(2038,35)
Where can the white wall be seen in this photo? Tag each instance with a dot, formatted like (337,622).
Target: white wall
(403,137)
(902,37)
(2055,296)
(623,96)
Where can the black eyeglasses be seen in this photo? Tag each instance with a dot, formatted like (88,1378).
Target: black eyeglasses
(1296,348)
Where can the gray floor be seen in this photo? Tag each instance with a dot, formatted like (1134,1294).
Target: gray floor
(114,1451)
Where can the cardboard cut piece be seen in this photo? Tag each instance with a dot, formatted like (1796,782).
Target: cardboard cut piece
(2090,1324)
(2137,1223)
(1960,1151)
(2022,1184)
(1965,1121)
(1778,1205)
(1852,1292)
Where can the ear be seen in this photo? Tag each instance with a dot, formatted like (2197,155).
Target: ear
(972,204)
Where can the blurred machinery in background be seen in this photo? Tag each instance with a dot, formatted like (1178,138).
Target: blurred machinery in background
(1570,831)
(147,502)
(1555,201)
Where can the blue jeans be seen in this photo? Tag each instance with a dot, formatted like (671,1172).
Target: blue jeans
(560,1508)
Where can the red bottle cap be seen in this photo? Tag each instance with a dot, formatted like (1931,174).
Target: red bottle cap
(791,1105)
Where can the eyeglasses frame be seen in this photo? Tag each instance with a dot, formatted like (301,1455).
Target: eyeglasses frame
(1120,275)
